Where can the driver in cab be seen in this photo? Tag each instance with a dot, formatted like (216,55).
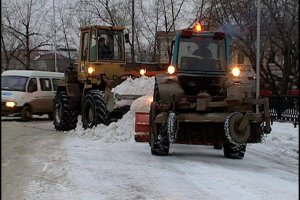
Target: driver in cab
(104,51)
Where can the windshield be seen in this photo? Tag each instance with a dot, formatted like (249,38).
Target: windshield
(202,54)
(107,45)
(13,83)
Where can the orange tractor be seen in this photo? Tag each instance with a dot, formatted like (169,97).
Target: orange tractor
(87,90)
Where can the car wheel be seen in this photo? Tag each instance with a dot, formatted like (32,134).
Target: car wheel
(26,113)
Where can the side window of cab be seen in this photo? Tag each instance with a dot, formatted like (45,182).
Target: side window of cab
(32,85)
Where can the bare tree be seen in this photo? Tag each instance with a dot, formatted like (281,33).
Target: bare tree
(280,40)
(284,41)
(170,16)
(106,11)
(149,25)
(64,27)
(9,45)
(29,16)
(159,16)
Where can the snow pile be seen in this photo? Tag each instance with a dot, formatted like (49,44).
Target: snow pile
(282,141)
(123,129)
(137,86)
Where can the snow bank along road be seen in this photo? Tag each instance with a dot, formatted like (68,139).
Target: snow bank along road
(39,163)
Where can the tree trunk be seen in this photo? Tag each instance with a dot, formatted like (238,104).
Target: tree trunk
(27,67)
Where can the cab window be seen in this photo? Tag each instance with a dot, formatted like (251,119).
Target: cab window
(93,47)
(84,46)
(202,54)
(110,45)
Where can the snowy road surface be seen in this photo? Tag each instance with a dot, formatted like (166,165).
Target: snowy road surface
(39,163)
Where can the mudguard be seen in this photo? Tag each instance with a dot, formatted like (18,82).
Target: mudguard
(168,88)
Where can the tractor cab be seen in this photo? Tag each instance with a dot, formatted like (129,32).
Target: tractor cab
(102,52)
(200,60)
(200,53)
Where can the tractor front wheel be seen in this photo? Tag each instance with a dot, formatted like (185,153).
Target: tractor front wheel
(94,111)
(236,140)
(159,144)
(234,151)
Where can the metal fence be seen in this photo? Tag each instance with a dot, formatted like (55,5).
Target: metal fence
(284,108)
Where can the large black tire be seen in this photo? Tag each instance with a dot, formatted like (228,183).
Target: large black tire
(65,118)
(231,148)
(26,114)
(159,145)
(51,115)
(94,111)
(156,96)
(234,151)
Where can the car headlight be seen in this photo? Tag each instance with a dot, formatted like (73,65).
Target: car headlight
(10,104)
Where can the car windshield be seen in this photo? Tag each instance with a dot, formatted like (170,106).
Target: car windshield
(202,54)
(13,83)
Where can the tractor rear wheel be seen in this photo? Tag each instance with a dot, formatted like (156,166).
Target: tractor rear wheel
(94,111)
(65,118)
(159,145)
(234,151)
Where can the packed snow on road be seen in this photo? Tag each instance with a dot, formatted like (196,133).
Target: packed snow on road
(106,163)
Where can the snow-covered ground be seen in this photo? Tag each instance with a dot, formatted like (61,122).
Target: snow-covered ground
(106,163)
(105,167)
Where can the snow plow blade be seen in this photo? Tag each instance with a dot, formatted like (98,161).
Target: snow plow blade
(142,127)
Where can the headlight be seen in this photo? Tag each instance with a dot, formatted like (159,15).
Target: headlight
(142,72)
(91,70)
(235,71)
(10,104)
(171,69)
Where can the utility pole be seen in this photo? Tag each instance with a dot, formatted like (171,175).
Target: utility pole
(54,29)
(133,31)
(258,54)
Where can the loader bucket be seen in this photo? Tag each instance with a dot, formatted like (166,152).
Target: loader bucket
(141,127)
